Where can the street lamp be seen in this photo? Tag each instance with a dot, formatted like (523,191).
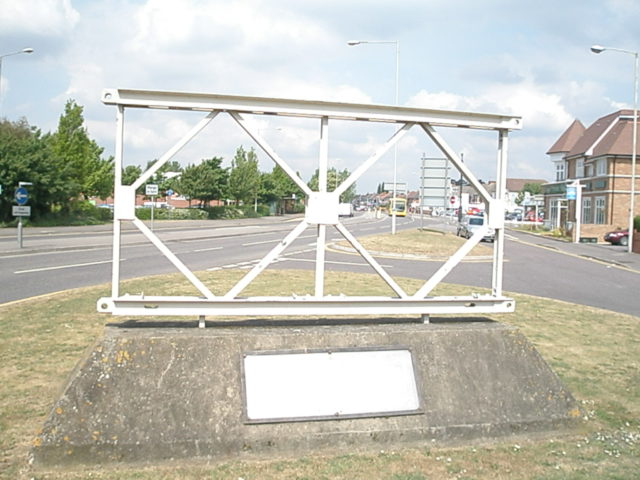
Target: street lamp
(353,43)
(600,49)
(24,50)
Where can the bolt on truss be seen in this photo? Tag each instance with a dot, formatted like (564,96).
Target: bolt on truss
(321,210)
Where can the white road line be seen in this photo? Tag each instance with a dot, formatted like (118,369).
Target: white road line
(260,243)
(61,267)
(60,252)
(309,260)
(207,249)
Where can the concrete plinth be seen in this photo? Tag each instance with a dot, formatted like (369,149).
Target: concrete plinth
(150,394)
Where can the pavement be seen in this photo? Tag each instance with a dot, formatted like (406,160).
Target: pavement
(602,252)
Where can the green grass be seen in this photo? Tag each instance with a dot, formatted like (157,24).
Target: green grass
(429,243)
(595,353)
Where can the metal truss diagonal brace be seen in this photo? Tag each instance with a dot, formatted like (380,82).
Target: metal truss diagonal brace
(358,172)
(371,261)
(459,164)
(264,263)
(175,149)
(453,260)
(253,133)
(173,259)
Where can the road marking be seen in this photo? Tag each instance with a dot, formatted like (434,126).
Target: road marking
(207,249)
(61,267)
(260,243)
(33,254)
(309,260)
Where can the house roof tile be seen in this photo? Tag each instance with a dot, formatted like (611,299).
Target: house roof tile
(568,139)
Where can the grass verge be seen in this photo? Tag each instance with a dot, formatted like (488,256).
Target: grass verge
(427,243)
(595,353)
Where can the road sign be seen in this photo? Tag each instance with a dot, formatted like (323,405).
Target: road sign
(21,211)
(452,200)
(400,187)
(151,189)
(169,192)
(21,195)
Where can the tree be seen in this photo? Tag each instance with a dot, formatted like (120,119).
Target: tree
(166,177)
(205,182)
(244,179)
(276,185)
(335,178)
(25,156)
(130,174)
(78,158)
(531,188)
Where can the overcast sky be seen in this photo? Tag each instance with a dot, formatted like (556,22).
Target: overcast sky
(524,58)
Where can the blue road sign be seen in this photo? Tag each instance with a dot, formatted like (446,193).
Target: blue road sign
(169,192)
(21,195)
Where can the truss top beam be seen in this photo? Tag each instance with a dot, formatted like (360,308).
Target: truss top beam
(307,108)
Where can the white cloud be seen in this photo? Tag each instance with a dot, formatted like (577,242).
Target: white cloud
(38,17)
(538,108)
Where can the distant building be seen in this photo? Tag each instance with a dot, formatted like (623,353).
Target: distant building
(598,158)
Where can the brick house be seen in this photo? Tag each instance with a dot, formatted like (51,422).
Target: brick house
(599,159)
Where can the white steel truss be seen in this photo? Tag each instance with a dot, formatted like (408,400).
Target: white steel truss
(321,210)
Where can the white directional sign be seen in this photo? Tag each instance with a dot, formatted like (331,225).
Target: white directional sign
(21,211)
(150,189)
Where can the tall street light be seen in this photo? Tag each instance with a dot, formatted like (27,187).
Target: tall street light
(353,43)
(24,50)
(600,49)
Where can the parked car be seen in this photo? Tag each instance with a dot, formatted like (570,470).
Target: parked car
(470,224)
(617,237)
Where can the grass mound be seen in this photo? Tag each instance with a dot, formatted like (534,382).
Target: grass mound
(595,353)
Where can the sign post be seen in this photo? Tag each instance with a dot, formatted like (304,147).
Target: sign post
(151,190)
(21,196)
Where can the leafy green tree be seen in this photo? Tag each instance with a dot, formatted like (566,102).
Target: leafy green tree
(25,156)
(334,179)
(78,158)
(165,176)
(531,188)
(276,184)
(244,179)
(205,181)
(130,174)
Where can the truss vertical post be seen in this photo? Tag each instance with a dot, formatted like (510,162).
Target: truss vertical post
(501,186)
(323,165)
(117,225)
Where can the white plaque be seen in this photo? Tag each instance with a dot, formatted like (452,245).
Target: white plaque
(299,386)
(21,211)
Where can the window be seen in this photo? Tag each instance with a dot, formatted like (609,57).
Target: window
(580,168)
(588,170)
(601,166)
(553,215)
(600,212)
(586,210)
(560,171)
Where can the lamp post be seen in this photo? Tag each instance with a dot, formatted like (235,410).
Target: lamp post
(600,49)
(353,43)
(24,50)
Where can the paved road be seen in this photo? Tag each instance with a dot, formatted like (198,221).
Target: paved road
(59,258)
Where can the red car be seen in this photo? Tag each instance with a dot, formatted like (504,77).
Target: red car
(617,237)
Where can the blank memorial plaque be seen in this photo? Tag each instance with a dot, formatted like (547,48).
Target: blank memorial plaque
(299,386)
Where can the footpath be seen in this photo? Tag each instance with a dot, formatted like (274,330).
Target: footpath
(602,252)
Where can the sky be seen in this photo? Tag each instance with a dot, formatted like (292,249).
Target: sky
(521,58)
